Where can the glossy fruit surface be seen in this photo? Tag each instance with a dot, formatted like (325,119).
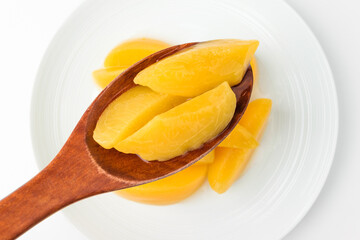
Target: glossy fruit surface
(129,52)
(230,163)
(199,68)
(129,112)
(239,138)
(104,76)
(168,190)
(184,127)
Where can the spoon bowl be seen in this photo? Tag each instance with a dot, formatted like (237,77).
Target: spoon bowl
(83,168)
(132,166)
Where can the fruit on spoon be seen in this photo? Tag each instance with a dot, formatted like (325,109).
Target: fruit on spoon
(129,112)
(254,66)
(199,68)
(184,127)
(140,48)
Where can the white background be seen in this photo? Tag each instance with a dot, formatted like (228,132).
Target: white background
(27,27)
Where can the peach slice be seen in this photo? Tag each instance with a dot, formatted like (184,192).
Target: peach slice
(104,76)
(129,112)
(230,163)
(254,67)
(256,116)
(209,158)
(168,190)
(239,138)
(129,52)
(183,128)
(199,68)
(123,56)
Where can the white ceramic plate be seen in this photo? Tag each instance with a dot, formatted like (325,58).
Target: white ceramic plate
(287,171)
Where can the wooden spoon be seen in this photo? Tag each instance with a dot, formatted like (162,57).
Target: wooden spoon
(83,168)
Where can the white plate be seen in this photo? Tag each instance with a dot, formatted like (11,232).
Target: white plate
(287,171)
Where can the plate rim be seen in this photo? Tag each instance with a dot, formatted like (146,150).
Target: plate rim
(331,80)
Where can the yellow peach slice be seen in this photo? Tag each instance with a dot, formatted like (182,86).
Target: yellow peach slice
(230,163)
(183,128)
(239,138)
(199,68)
(254,67)
(168,190)
(209,158)
(129,52)
(104,76)
(129,112)
(256,115)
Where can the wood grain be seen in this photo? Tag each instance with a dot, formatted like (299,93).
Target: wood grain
(83,168)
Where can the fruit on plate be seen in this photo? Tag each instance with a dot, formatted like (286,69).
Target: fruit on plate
(256,116)
(123,56)
(209,158)
(168,190)
(239,138)
(230,163)
(129,112)
(199,68)
(104,76)
(129,52)
(184,127)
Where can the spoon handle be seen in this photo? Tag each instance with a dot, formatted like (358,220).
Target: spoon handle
(71,176)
